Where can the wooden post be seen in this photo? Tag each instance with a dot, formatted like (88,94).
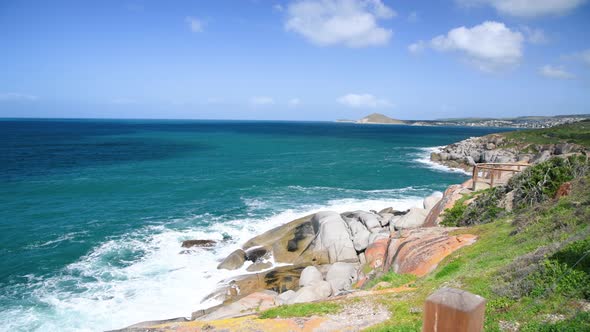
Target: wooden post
(453,310)
(492,179)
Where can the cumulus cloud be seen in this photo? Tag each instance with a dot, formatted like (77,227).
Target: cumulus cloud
(527,8)
(194,24)
(534,35)
(261,101)
(352,23)
(417,47)
(363,100)
(13,96)
(555,72)
(489,46)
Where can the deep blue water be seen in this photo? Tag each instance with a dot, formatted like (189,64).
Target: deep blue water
(93,211)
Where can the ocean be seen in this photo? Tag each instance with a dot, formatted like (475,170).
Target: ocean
(93,212)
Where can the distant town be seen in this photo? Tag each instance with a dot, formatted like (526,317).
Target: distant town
(518,122)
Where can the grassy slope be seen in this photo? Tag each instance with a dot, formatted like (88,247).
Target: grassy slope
(578,133)
(478,269)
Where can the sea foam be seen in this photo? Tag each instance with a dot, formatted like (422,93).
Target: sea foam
(142,275)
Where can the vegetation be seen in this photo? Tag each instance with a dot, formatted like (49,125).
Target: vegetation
(540,182)
(393,279)
(578,133)
(534,185)
(302,310)
(529,265)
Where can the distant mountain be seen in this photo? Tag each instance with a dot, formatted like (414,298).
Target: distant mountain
(377,118)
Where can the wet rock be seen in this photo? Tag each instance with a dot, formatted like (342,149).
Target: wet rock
(291,243)
(309,275)
(255,254)
(198,243)
(233,261)
(279,279)
(259,266)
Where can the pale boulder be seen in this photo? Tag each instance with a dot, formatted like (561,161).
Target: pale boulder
(310,275)
(334,237)
(413,219)
(432,200)
(316,291)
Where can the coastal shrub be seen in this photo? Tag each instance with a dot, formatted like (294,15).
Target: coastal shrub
(302,310)
(540,182)
(482,210)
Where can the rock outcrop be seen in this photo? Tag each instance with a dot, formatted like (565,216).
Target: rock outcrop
(496,148)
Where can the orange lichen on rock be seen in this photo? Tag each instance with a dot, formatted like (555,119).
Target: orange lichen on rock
(419,251)
(376,252)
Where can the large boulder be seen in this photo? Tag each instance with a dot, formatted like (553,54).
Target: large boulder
(315,291)
(233,261)
(371,220)
(249,304)
(291,243)
(310,275)
(376,252)
(285,297)
(334,237)
(341,276)
(360,234)
(279,279)
(432,200)
(418,251)
(413,219)
(256,254)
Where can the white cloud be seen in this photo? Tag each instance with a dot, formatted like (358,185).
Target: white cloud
(417,47)
(261,101)
(278,7)
(352,23)
(534,35)
(527,8)
(13,96)
(489,46)
(294,102)
(555,72)
(194,24)
(413,17)
(583,56)
(363,100)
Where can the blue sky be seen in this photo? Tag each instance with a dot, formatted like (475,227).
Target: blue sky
(294,60)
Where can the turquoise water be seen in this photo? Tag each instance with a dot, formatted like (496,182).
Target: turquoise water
(93,211)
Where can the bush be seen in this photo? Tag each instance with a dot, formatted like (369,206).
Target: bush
(540,182)
(302,310)
(482,210)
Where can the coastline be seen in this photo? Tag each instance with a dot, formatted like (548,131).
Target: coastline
(407,204)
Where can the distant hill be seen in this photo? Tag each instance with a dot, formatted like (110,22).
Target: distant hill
(377,118)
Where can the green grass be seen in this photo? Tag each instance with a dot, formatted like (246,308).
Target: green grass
(394,279)
(578,133)
(485,268)
(302,310)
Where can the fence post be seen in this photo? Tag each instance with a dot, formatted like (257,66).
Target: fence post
(453,310)
(474,176)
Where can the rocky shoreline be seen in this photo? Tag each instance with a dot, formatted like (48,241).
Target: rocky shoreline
(325,256)
(497,148)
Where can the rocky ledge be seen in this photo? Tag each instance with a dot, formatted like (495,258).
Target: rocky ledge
(327,255)
(497,148)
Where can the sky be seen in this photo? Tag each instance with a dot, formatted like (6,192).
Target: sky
(294,60)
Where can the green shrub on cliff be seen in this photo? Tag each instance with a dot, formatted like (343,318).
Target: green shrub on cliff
(482,210)
(540,182)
